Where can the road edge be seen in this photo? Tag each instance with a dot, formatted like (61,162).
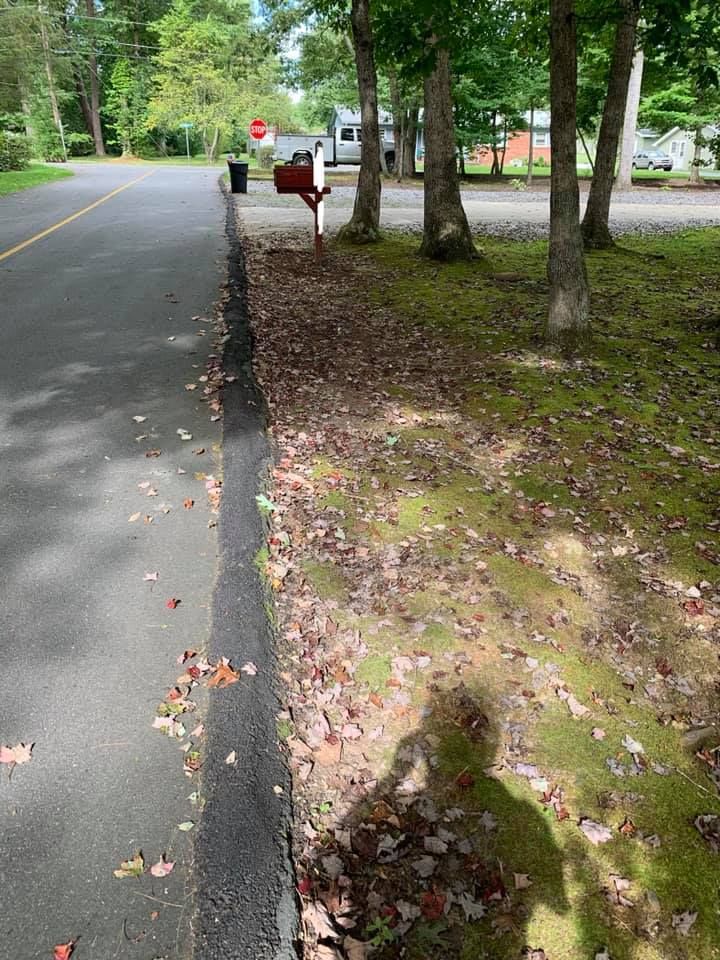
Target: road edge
(245,898)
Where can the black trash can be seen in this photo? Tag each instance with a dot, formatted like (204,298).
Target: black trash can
(238,176)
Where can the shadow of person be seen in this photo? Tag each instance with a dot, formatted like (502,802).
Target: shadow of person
(442,858)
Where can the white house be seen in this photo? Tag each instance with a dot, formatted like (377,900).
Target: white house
(680,144)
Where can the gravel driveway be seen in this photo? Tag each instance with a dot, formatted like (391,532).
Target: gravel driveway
(506,213)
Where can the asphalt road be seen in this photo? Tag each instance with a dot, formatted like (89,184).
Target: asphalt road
(89,649)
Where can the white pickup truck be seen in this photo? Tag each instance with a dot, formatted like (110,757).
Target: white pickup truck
(343,147)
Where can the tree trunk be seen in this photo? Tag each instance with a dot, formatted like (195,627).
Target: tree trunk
(595,225)
(94,90)
(504,149)
(214,144)
(364,225)
(398,112)
(57,117)
(587,152)
(25,107)
(568,325)
(84,102)
(495,166)
(623,181)
(446,232)
(697,158)
(410,144)
(531,147)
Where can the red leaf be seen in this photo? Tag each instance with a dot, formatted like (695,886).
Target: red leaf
(63,951)
(465,779)
(172,603)
(432,905)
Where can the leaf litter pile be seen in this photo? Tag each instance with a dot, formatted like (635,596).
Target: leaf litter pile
(497,588)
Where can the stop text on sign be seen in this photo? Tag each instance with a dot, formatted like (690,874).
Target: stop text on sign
(258,129)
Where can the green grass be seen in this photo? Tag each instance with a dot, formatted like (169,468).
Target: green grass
(14,180)
(533,515)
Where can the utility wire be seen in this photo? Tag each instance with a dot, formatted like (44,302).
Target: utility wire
(80,16)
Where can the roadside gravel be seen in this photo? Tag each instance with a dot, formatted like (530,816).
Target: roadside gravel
(519,215)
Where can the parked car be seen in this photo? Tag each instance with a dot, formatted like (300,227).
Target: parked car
(343,146)
(652,160)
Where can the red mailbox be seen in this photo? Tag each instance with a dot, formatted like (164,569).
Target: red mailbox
(292,179)
(309,182)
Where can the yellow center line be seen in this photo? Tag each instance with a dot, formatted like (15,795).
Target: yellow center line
(73,216)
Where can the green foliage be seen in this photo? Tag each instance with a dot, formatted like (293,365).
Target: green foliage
(265,158)
(14,151)
(680,105)
(126,104)
(79,144)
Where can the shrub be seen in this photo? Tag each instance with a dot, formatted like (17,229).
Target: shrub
(265,157)
(517,184)
(540,162)
(79,144)
(14,151)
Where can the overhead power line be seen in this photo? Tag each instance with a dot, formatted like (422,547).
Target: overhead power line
(80,16)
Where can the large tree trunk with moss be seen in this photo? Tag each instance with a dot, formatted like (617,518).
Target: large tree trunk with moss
(568,326)
(94,90)
(446,232)
(364,225)
(595,225)
(623,181)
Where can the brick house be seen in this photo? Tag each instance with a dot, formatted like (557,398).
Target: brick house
(518,143)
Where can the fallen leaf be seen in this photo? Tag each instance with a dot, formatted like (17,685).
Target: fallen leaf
(424,867)
(632,746)
(231,758)
(249,668)
(682,922)
(186,825)
(131,868)
(63,951)
(465,779)
(188,503)
(172,603)
(152,453)
(162,868)
(191,386)
(432,905)
(152,577)
(223,675)
(595,832)
(139,419)
(21,753)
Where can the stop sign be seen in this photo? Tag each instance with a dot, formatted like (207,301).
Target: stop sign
(258,129)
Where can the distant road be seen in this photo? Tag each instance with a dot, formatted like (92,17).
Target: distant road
(508,212)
